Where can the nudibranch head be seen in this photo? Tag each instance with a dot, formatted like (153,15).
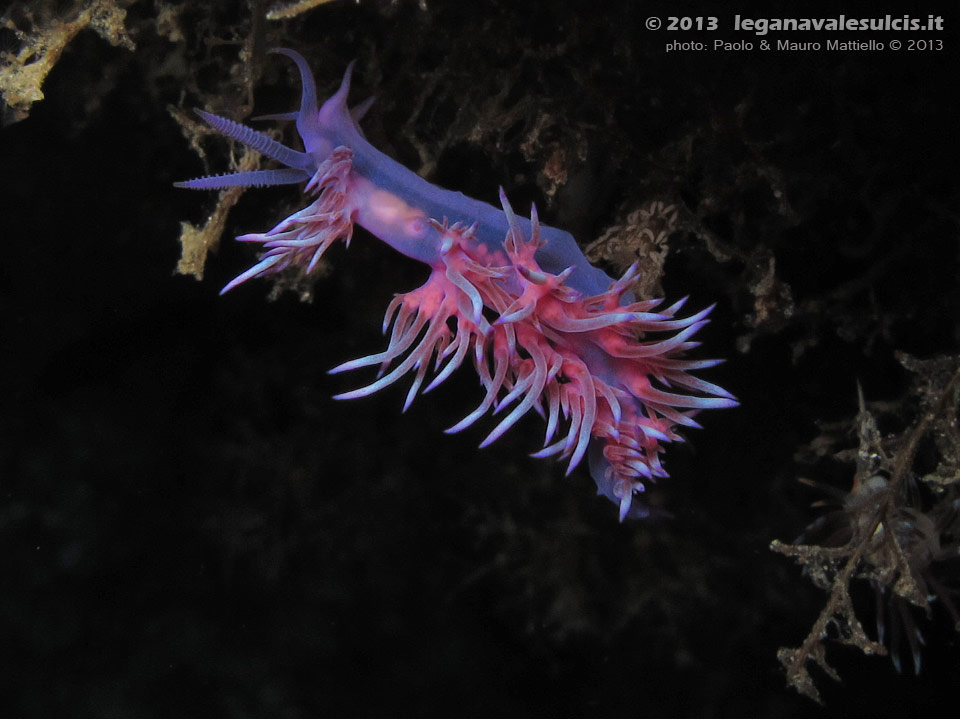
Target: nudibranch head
(315,127)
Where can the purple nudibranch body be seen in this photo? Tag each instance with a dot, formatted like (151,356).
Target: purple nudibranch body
(544,329)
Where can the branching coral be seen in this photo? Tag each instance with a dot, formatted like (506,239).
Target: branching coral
(642,238)
(43,36)
(289,10)
(886,531)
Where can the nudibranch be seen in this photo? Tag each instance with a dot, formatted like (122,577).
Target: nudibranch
(544,329)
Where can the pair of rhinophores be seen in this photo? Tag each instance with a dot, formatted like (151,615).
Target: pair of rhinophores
(544,329)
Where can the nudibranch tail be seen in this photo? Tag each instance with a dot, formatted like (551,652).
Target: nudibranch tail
(544,330)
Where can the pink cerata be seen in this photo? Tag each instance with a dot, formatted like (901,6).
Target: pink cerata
(544,329)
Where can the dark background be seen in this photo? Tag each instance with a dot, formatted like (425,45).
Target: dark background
(190,526)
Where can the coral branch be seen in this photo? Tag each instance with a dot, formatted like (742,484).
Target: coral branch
(22,73)
(889,541)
